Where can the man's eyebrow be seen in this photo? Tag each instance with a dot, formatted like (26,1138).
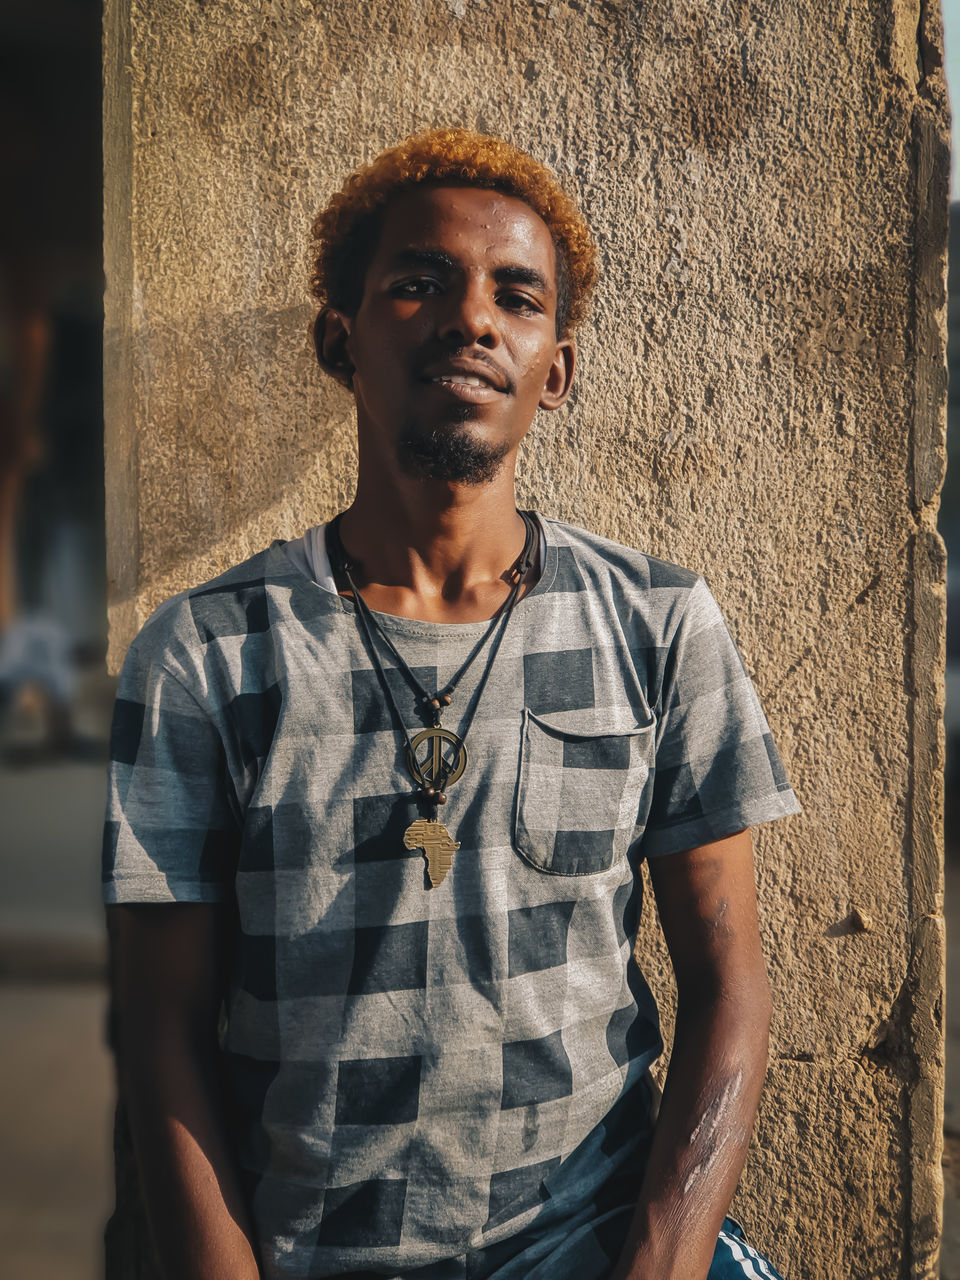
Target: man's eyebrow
(440,260)
(522,275)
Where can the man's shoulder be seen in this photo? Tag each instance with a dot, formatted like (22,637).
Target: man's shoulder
(233,603)
(636,568)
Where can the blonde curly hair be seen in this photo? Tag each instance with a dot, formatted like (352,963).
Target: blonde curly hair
(345,233)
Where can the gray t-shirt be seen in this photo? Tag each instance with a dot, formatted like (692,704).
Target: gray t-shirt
(447,1083)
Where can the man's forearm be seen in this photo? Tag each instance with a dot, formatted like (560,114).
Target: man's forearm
(703,1131)
(190,1183)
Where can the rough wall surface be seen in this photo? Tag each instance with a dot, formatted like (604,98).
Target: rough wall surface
(761,396)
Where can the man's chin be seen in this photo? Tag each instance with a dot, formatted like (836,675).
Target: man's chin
(452,453)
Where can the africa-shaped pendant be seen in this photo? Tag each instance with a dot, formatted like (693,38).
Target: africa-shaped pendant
(436,842)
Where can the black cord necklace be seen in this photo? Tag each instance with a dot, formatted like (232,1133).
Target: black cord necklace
(445,758)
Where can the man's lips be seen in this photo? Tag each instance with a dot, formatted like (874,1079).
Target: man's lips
(472,392)
(465,376)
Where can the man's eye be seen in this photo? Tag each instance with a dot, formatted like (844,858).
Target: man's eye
(415,288)
(517,301)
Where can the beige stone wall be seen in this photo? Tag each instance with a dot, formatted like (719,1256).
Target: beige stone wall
(761,396)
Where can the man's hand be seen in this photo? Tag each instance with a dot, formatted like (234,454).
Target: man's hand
(706,899)
(167,964)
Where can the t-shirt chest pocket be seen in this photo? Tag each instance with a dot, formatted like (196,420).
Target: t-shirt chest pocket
(578,794)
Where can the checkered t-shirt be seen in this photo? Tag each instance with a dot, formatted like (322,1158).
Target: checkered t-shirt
(446,1083)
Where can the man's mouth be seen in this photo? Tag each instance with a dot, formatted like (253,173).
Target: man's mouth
(471,377)
(465,388)
(459,380)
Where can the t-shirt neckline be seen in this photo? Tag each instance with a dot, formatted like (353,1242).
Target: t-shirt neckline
(312,566)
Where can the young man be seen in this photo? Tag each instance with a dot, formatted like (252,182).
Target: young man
(384,792)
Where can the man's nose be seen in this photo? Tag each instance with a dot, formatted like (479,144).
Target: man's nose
(470,317)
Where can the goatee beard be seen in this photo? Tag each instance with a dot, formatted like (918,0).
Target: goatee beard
(449,453)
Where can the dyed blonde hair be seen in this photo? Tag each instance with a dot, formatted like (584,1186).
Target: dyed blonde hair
(346,232)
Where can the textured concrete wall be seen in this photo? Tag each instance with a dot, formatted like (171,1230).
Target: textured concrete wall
(762,396)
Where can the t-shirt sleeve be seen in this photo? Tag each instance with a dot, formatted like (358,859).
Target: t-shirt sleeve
(717,769)
(170,833)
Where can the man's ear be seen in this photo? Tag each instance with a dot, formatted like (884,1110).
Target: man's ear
(331,332)
(560,378)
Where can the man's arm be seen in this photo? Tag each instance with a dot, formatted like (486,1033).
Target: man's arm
(167,964)
(706,900)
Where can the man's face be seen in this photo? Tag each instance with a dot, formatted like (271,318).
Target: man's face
(454,345)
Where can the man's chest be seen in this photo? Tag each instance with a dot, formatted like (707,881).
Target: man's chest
(554,735)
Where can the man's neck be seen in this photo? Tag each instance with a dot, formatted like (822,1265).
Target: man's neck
(435,551)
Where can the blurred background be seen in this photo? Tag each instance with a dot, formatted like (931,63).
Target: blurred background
(55,695)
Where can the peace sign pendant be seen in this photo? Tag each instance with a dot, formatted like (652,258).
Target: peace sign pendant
(439,766)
